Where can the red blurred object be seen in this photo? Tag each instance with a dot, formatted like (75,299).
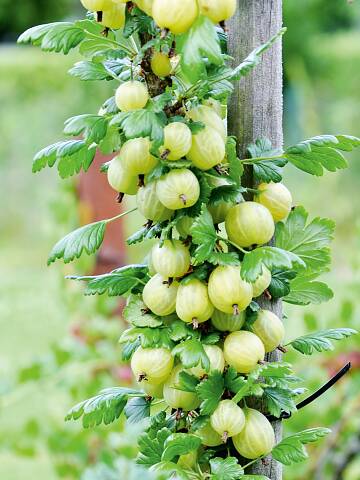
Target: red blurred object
(337,363)
(98,202)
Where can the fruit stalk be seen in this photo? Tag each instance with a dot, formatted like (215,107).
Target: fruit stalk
(255,111)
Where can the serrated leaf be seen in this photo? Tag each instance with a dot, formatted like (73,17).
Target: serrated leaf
(191,353)
(227,194)
(320,341)
(270,257)
(225,469)
(187,382)
(111,142)
(103,408)
(236,168)
(117,283)
(180,444)
(254,58)
(71,155)
(309,241)
(94,127)
(54,37)
(89,71)
(210,392)
(279,400)
(270,169)
(233,381)
(151,446)
(321,153)
(149,337)
(141,123)
(291,449)
(137,409)
(137,314)
(199,42)
(203,235)
(280,282)
(222,258)
(146,233)
(88,238)
(303,291)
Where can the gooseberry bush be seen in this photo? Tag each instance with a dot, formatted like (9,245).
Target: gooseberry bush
(198,334)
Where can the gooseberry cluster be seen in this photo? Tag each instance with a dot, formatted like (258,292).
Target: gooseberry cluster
(199,327)
(219,301)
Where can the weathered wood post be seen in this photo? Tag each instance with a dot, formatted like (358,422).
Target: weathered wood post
(255,111)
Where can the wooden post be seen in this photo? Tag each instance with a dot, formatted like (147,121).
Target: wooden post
(255,111)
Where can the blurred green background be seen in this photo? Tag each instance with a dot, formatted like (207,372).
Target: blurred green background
(57,347)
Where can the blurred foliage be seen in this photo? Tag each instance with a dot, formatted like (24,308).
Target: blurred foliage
(322,54)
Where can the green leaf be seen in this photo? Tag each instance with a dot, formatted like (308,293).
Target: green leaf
(291,449)
(103,408)
(310,241)
(138,315)
(117,283)
(236,168)
(203,235)
(233,381)
(320,341)
(149,337)
(280,282)
(225,469)
(88,238)
(54,37)
(227,194)
(199,42)
(94,127)
(141,123)
(271,257)
(269,170)
(180,444)
(72,156)
(222,258)
(151,446)
(137,409)
(187,382)
(210,392)
(111,142)
(279,400)
(321,153)
(303,291)
(89,71)
(146,233)
(191,353)
(254,58)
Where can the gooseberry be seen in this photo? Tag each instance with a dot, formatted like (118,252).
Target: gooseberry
(249,223)
(172,259)
(262,282)
(227,291)
(152,364)
(216,359)
(207,149)
(276,198)
(161,64)
(177,140)
(243,350)
(131,95)
(228,419)
(149,205)
(219,211)
(97,5)
(208,116)
(192,302)
(176,15)
(218,10)
(208,436)
(177,398)
(119,179)
(269,328)
(178,189)
(114,17)
(136,156)
(226,322)
(160,296)
(257,437)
